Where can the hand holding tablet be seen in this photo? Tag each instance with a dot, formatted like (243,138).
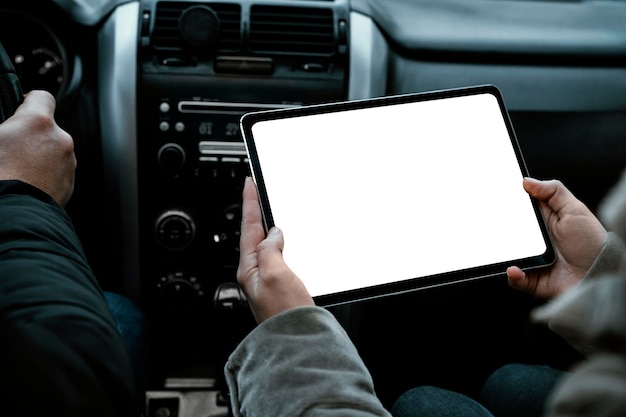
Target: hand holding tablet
(417,190)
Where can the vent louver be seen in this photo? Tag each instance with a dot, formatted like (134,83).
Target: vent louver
(166,35)
(291,30)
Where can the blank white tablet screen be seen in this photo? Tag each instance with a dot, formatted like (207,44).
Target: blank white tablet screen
(376,195)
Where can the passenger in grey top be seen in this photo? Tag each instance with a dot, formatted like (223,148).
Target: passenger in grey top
(299,361)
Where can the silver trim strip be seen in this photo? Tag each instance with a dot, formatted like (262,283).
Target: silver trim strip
(118,114)
(222,148)
(369,56)
(214,107)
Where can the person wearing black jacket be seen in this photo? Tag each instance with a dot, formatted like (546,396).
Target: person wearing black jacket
(61,352)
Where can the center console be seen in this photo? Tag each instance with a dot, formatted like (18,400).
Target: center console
(201,66)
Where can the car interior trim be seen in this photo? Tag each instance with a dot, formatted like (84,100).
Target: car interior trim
(368,59)
(527,87)
(89,12)
(119,131)
(588,28)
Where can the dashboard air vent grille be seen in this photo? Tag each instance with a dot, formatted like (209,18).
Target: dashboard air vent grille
(166,35)
(291,30)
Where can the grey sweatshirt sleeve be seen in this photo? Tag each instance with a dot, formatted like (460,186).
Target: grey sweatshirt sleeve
(610,259)
(594,316)
(300,363)
(577,314)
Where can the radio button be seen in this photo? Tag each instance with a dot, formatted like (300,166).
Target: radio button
(164,126)
(179,127)
(164,107)
(171,156)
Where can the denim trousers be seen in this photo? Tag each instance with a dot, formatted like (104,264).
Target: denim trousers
(514,390)
(133,328)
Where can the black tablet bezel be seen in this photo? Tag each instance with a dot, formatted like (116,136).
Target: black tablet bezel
(548,257)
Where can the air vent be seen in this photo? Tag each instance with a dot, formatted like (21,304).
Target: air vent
(291,30)
(166,36)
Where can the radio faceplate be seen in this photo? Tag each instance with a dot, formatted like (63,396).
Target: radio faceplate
(192,164)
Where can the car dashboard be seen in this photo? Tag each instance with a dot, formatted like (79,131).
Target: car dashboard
(152,92)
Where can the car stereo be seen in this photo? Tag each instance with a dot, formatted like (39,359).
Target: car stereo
(202,65)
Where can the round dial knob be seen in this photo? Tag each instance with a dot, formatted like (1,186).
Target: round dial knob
(171,156)
(175,229)
(199,25)
(179,292)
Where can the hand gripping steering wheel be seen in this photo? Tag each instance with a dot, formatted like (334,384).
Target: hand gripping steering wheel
(11,95)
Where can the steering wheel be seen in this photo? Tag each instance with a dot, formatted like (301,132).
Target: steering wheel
(11,95)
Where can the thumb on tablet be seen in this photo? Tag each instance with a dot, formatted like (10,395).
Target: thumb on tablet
(517,278)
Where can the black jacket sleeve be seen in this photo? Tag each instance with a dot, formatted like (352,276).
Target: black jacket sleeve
(60,350)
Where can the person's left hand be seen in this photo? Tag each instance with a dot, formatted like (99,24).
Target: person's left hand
(577,234)
(270,286)
(35,150)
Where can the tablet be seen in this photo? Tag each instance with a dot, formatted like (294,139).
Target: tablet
(393,194)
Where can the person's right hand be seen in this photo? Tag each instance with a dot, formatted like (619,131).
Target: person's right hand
(35,150)
(270,286)
(578,237)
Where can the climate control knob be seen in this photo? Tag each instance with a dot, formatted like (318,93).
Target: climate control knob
(175,229)
(179,292)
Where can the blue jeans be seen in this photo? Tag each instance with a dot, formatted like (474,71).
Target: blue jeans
(133,327)
(515,390)
(519,390)
(428,401)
